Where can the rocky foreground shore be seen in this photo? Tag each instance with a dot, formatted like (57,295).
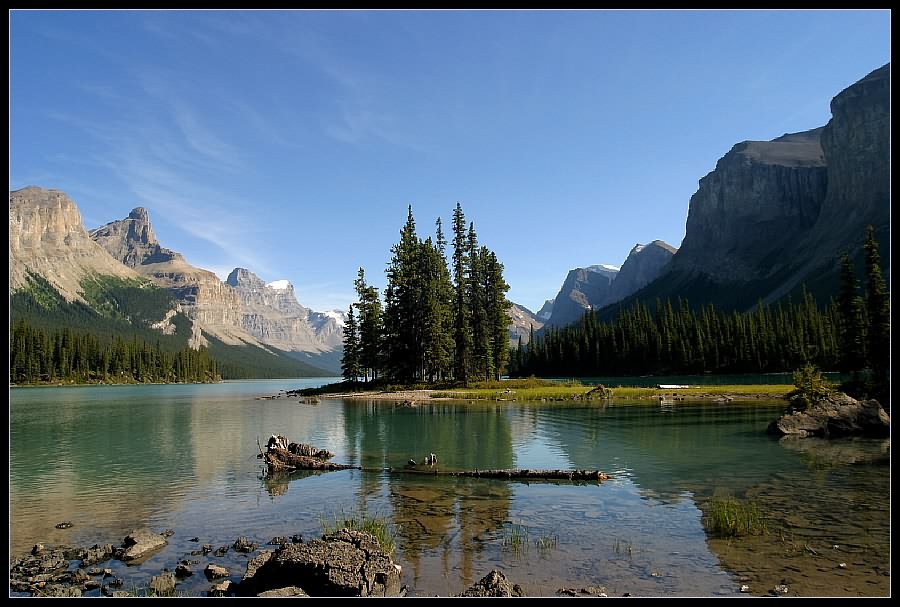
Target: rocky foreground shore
(347,563)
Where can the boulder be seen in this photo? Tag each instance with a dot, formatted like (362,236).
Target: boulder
(834,416)
(141,542)
(97,553)
(282,592)
(346,563)
(223,588)
(242,544)
(215,571)
(494,584)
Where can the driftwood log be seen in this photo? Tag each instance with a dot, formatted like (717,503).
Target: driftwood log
(516,473)
(510,473)
(299,456)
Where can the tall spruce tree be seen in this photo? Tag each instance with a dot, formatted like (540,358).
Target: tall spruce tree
(481,365)
(497,311)
(438,301)
(852,319)
(878,309)
(370,327)
(404,309)
(350,367)
(462,335)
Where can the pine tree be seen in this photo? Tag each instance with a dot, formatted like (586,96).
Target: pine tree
(462,336)
(497,311)
(437,306)
(350,367)
(852,319)
(482,353)
(370,327)
(403,310)
(877,308)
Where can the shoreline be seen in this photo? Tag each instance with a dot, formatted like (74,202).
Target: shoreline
(427,395)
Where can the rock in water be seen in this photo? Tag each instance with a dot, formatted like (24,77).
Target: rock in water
(834,416)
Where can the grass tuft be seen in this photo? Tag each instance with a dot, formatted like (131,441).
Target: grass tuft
(377,526)
(727,516)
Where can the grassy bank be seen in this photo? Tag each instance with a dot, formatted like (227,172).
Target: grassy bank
(543,390)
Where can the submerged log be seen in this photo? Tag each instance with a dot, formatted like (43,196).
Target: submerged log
(299,456)
(516,473)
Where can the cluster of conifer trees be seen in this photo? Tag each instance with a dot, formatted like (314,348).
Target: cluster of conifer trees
(438,321)
(850,334)
(40,355)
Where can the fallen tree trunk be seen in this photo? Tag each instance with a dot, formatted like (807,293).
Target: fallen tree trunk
(299,456)
(516,473)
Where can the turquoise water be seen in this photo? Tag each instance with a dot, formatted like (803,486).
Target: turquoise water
(183,457)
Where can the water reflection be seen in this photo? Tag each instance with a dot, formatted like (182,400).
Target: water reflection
(185,457)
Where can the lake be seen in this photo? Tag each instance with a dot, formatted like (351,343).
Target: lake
(183,457)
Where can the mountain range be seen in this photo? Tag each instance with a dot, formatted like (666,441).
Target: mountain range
(48,240)
(599,285)
(772,217)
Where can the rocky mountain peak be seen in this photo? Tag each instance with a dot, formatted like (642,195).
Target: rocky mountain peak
(583,289)
(244,278)
(139,213)
(644,263)
(546,310)
(132,241)
(272,314)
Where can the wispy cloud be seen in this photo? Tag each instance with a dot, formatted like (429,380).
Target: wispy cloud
(358,112)
(175,165)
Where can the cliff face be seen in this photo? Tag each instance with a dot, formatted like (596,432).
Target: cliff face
(643,264)
(774,216)
(205,299)
(47,237)
(759,197)
(272,314)
(857,149)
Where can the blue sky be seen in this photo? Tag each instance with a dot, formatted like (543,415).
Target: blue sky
(291,143)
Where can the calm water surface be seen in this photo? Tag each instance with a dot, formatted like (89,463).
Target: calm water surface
(183,457)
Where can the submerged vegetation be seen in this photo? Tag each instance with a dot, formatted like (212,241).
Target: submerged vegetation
(517,538)
(726,516)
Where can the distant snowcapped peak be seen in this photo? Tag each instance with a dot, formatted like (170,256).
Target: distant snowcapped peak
(337,315)
(609,267)
(279,285)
